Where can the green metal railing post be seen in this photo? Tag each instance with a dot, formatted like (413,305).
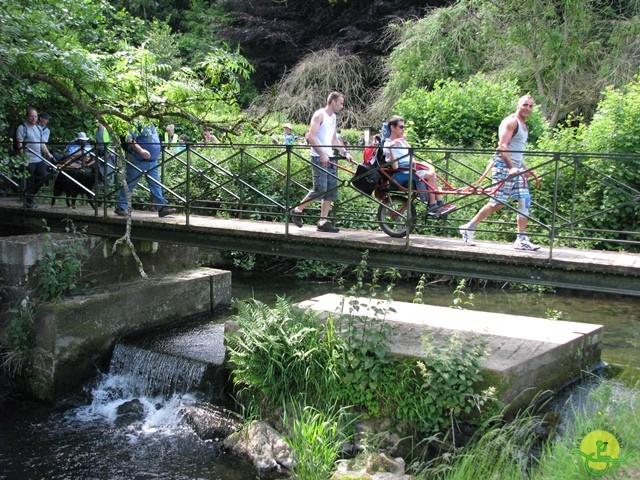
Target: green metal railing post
(409,218)
(240,185)
(187,206)
(554,208)
(287,199)
(576,162)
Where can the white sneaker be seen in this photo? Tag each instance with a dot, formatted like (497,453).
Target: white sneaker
(467,234)
(523,243)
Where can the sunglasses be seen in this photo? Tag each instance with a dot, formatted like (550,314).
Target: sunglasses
(400,126)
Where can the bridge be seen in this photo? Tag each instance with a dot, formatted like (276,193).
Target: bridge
(238,198)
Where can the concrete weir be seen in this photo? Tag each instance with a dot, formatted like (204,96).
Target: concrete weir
(526,355)
(74,336)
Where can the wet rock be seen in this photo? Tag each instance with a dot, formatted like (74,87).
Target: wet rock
(211,422)
(263,445)
(371,466)
(129,412)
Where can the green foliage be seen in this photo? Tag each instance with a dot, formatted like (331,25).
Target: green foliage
(12,166)
(243,260)
(443,44)
(461,298)
(316,437)
(18,338)
(615,127)
(284,355)
(318,269)
(499,449)
(463,114)
(59,270)
(106,64)
(610,407)
(19,334)
(432,392)
(564,52)
(306,87)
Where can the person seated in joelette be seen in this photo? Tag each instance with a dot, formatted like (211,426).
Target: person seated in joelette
(396,151)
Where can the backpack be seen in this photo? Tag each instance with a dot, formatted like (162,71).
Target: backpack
(367,176)
(14,136)
(385,132)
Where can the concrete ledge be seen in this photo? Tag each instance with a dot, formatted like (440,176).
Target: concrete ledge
(526,355)
(74,337)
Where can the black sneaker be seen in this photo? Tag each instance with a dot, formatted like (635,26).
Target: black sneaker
(328,227)
(166,211)
(120,212)
(296,218)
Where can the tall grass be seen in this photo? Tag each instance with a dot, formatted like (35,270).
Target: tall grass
(611,407)
(316,438)
(516,450)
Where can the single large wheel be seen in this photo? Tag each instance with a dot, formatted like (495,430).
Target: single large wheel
(392,216)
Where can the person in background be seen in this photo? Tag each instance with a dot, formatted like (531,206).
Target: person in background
(508,165)
(322,136)
(370,151)
(102,139)
(182,143)
(43,122)
(209,137)
(289,137)
(102,142)
(29,145)
(144,149)
(76,153)
(361,140)
(170,138)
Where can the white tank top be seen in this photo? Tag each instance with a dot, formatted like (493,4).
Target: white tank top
(517,144)
(325,134)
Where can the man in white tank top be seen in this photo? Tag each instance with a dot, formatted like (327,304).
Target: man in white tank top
(322,137)
(512,139)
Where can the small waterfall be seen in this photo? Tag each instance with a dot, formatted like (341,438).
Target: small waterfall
(157,374)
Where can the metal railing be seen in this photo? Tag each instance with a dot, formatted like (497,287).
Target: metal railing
(583,200)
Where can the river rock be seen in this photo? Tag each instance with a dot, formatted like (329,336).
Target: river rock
(211,422)
(371,466)
(263,445)
(129,412)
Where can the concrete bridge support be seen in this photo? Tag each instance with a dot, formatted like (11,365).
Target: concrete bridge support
(74,337)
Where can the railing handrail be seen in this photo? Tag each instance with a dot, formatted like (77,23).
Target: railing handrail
(266,181)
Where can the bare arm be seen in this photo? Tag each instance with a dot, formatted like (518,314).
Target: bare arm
(143,153)
(45,150)
(335,141)
(312,138)
(505,134)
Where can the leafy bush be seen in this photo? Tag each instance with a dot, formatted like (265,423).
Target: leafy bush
(18,338)
(58,271)
(285,355)
(615,127)
(463,114)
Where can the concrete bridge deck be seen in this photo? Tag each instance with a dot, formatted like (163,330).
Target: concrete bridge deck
(592,270)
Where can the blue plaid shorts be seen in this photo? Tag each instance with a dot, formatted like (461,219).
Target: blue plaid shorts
(513,189)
